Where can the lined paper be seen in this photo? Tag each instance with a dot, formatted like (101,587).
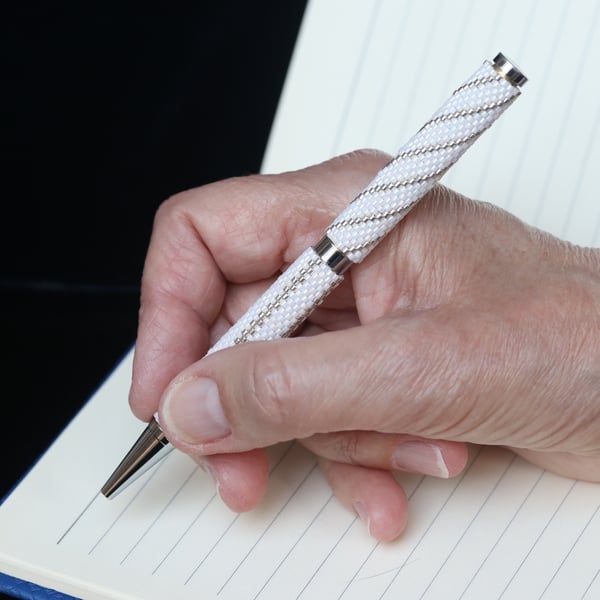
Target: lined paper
(368,74)
(364,74)
(501,529)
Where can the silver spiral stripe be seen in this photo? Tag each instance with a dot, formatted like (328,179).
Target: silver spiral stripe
(286,304)
(421,163)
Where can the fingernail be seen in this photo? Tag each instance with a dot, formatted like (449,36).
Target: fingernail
(193,412)
(420,457)
(361,511)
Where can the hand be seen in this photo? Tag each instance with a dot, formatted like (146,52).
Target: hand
(463,325)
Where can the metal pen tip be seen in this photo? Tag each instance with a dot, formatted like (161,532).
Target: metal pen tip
(148,449)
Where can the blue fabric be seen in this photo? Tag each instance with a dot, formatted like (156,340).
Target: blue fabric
(29,591)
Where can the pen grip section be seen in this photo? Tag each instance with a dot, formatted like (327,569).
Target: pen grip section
(286,304)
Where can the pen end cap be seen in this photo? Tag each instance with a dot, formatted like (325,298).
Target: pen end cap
(509,70)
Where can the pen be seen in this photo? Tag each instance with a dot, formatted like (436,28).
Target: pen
(377,209)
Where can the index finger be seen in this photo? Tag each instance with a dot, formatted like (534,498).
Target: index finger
(240,230)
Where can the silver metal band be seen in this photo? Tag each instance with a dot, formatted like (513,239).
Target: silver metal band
(158,434)
(332,256)
(509,70)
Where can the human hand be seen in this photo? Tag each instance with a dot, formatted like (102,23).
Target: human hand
(463,325)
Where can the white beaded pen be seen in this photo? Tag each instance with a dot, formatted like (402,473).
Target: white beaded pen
(398,186)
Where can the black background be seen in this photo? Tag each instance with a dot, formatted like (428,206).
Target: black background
(108,110)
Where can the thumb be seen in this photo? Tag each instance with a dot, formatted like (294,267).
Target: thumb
(261,393)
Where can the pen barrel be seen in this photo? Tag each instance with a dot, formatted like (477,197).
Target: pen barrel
(419,164)
(425,158)
(286,304)
(417,167)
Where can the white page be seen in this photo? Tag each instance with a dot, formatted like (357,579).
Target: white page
(369,74)
(501,525)
(363,74)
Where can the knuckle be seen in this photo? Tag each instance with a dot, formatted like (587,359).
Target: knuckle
(270,388)
(365,155)
(347,447)
(367,160)
(172,206)
(229,193)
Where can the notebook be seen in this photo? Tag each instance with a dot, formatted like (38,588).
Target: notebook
(363,74)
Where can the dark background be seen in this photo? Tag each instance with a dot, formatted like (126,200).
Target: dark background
(106,112)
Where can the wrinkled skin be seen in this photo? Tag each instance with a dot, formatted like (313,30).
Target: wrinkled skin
(463,326)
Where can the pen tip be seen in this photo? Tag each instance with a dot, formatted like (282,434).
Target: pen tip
(148,449)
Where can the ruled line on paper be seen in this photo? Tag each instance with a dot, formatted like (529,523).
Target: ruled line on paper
(295,544)
(201,512)
(127,506)
(468,527)
(362,564)
(541,91)
(232,522)
(426,50)
(368,556)
(580,63)
(326,558)
(460,479)
(502,534)
(266,529)
(160,514)
(458,41)
(185,532)
(212,548)
(578,182)
(77,519)
(356,76)
(487,163)
(539,536)
(393,56)
(566,556)
(589,587)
